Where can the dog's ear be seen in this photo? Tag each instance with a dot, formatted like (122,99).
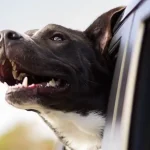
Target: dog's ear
(31,32)
(100,31)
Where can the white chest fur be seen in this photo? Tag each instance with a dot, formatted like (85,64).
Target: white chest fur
(80,132)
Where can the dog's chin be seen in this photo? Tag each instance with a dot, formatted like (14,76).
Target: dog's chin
(24,103)
(27,97)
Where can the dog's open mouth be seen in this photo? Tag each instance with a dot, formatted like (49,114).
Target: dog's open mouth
(19,79)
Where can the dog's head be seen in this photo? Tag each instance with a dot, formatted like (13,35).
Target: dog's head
(58,68)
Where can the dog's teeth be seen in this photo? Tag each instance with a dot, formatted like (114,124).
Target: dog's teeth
(15,74)
(32,85)
(52,83)
(20,85)
(25,82)
(58,82)
(3,62)
(15,86)
(47,85)
(14,67)
(6,85)
(12,63)
(21,76)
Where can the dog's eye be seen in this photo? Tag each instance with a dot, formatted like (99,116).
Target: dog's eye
(57,37)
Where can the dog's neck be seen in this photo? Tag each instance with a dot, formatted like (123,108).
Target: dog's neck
(76,131)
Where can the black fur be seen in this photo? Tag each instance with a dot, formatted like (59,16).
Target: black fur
(78,58)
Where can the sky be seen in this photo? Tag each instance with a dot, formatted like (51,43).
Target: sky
(34,14)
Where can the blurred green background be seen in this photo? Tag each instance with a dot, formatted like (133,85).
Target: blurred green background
(21,137)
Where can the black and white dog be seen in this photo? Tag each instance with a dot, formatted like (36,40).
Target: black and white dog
(63,75)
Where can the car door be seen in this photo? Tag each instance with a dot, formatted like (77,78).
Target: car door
(128,124)
(118,46)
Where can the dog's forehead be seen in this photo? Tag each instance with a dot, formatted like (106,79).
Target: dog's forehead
(74,34)
(52,27)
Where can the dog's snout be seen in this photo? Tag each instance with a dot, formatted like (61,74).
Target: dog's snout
(7,37)
(11,35)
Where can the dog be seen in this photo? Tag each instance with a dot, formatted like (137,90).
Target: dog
(64,75)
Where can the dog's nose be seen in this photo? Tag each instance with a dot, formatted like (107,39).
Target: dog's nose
(10,35)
